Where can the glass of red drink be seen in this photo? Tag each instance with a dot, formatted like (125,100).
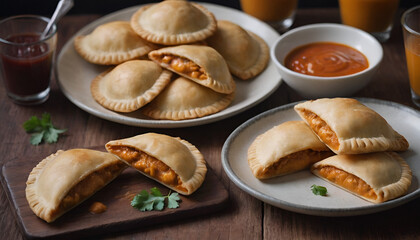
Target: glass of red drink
(27,58)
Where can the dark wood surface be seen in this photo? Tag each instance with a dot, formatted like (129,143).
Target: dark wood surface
(79,222)
(245,217)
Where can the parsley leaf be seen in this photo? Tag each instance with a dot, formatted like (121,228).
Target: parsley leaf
(154,201)
(147,205)
(159,203)
(42,129)
(173,200)
(36,138)
(32,124)
(138,200)
(51,135)
(319,190)
(155,192)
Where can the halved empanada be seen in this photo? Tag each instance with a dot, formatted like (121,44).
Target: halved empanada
(246,54)
(349,127)
(66,178)
(171,161)
(112,43)
(376,177)
(173,22)
(202,64)
(130,85)
(185,99)
(286,148)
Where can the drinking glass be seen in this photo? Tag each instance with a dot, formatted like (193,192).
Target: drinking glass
(410,22)
(280,14)
(373,16)
(27,58)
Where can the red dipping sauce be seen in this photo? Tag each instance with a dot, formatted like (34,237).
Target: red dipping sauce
(26,65)
(326,59)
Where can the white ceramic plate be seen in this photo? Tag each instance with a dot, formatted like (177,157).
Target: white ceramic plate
(75,74)
(292,192)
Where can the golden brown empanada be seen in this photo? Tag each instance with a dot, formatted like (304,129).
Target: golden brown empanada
(246,54)
(66,178)
(376,177)
(130,85)
(185,99)
(202,64)
(173,22)
(349,127)
(173,162)
(285,148)
(112,43)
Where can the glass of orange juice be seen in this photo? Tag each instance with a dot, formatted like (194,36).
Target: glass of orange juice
(373,16)
(280,14)
(410,22)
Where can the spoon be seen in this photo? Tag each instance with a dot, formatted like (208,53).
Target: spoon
(63,7)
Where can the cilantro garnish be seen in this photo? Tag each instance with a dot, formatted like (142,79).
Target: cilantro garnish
(155,200)
(42,129)
(319,190)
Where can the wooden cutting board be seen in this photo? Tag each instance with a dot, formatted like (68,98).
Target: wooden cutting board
(117,195)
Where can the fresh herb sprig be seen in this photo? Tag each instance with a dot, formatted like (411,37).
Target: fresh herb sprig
(155,200)
(319,190)
(42,129)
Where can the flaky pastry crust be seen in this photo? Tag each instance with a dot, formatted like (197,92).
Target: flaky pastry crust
(347,126)
(173,22)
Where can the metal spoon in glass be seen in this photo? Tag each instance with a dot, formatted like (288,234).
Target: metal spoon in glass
(63,7)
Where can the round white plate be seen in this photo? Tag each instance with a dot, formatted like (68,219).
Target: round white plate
(292,192)
(74,74)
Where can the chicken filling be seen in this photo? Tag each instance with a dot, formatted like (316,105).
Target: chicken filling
(149,165)
(321,128)
(184,66)
(88,186)
(348,181)
(294,162)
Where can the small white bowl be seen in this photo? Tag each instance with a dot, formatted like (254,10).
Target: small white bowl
(315,87)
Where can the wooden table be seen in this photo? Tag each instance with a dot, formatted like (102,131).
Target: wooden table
(245,217)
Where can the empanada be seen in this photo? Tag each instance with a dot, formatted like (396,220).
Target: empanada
(112,43)
(347,126)
(286,148)
(66,178)
(173,22)
(130,85)
(246,54)
(376,177)
(171,161)
(201,64)
(185,99)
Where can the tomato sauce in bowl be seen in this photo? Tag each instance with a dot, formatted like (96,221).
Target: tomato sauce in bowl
(326,59)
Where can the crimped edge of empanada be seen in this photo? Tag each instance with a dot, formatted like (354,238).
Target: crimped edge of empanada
(110,58)
(198,177)
(174,39)
(31,196)
(260,64)
(37,205)
(376,144)
(385,193)
(133,104)
(153,112)
(253,162)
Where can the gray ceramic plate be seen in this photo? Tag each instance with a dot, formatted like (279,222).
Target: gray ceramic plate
(75,74)
(292,192)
